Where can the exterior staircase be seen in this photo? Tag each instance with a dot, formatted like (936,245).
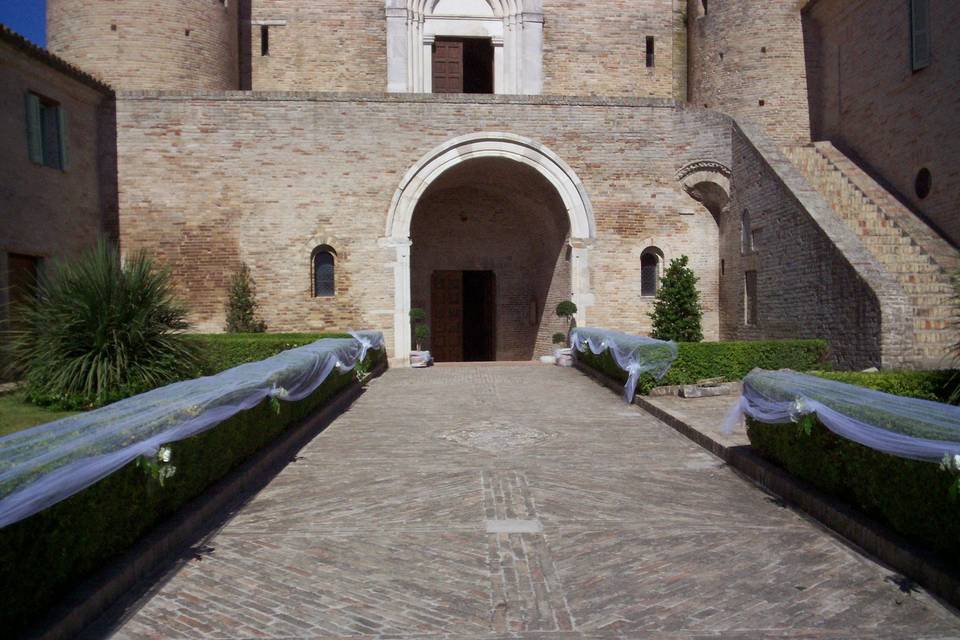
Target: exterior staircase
(920,260)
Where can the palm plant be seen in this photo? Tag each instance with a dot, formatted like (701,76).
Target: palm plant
(98,330)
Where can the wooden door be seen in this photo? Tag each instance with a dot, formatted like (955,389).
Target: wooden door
(446,316)
(448,66)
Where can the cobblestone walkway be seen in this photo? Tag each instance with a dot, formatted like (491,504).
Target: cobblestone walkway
(520,501)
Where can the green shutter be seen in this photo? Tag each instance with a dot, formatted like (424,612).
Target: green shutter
(919,34)
(34,130)
(62,137)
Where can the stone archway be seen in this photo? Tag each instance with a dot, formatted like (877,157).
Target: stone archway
(434,164)
(707,182)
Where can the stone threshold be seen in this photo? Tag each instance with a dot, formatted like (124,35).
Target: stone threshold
(194,522)
(866,535)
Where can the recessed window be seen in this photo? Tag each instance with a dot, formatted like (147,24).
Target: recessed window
(650,261)
(746,233)
(750,298)
(651,52)
(324,264)
(919,34)
(761,102)
(264,40)
(706,10)
(46,132)
(923,183)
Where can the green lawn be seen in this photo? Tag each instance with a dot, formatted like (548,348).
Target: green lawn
(16,414)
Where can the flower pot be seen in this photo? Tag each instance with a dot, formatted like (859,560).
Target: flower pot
(548,359)
(420,359)
(564,357)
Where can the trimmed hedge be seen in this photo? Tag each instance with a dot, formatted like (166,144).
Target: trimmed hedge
(910,496)
(728,360)
(44,555)
(222,351)
(926,385)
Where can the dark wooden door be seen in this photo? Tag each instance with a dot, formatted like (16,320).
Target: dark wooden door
(446,316)
(448,66)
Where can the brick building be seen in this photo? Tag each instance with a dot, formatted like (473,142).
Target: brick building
(484,159)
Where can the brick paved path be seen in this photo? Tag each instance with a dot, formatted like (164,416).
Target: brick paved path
(525,501)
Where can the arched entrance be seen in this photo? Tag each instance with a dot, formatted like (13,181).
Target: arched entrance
(533,187)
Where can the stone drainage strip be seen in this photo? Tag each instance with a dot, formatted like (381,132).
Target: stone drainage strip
(872,537)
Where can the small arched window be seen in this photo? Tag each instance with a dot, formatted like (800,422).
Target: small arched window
(324,261)
(650,272)
(746,234)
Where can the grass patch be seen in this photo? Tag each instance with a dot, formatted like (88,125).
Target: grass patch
(17,414)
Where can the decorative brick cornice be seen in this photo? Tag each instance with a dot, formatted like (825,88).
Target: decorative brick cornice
(703,165)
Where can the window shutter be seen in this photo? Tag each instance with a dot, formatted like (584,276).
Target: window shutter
(34,133)
(62,137)
(919,34)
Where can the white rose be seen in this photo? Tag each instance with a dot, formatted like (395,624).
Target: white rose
(164,454)
(956,462)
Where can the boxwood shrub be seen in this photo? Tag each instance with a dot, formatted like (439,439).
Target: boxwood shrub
(912,497)
(728,360)
(44,555)
(222,351)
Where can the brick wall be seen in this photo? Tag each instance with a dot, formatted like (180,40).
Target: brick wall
(807,286)
(337,45)
(589,48)
(746,51)
(599,48)
(49,213)
(172,44)
(866,98)
(284,173)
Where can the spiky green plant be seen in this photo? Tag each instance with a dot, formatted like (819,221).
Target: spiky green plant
(242,304)
(98,330)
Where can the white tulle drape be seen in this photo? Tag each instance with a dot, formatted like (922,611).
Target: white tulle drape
(49,463)
(634,354)
(904,427)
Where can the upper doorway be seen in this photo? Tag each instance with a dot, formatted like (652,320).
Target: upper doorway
(463,65)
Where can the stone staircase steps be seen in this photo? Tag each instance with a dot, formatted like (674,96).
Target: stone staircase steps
(903,245)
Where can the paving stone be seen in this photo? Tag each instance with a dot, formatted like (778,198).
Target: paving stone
(610,525)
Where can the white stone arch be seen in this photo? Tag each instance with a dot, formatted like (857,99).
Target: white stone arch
(487,145)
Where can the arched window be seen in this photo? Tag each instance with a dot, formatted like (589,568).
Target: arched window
(650,272)
(746,234)
(324,260)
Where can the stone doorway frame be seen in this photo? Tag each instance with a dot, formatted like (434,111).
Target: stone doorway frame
(470,147)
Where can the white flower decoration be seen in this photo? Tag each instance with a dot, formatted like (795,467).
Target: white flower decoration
(164,454)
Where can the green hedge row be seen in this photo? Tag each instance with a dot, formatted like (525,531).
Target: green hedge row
(222,351)
(728,360)
(912,497)
(41,557)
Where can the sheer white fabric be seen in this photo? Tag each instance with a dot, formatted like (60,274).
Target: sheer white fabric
(904,427)
(49,463)
(634,354)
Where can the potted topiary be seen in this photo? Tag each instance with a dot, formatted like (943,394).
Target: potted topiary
(564,355)
(421,333)
(558,338)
